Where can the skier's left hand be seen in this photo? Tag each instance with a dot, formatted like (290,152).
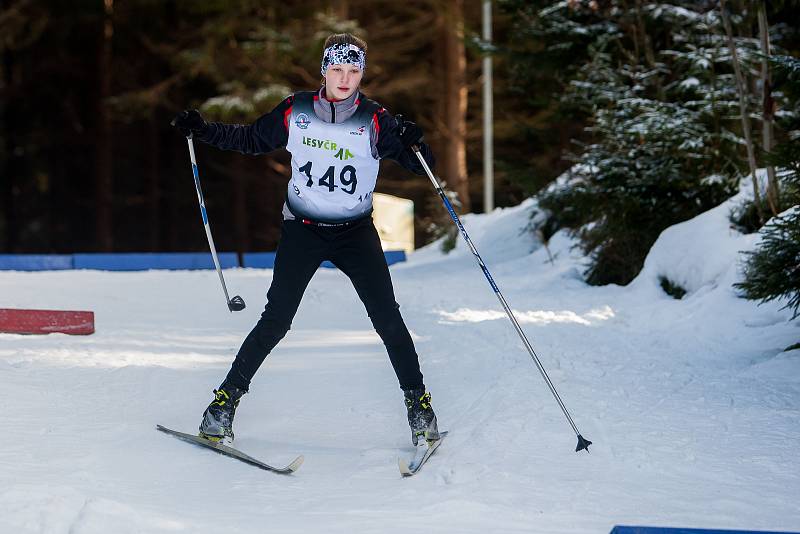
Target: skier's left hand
(408,132)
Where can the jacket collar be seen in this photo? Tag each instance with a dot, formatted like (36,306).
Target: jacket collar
(343,108)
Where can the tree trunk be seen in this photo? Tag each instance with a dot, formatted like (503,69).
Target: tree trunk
(103,160)
(153,194)
(768,114)
(741,88)
(182,203)
(342,9)
(8,168)
(241,234)
(454,168)
(647,45)
(636,31)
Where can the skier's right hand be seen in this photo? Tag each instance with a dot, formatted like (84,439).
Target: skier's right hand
(190,123)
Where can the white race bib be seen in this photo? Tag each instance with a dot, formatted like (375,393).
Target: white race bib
(333,170)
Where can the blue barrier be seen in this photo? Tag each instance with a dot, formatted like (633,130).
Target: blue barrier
(258,260)
(144,261)
(35,262)
(619,529)
(266,260)
(394,256)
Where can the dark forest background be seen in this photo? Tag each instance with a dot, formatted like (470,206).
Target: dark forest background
(89,162)
(639,98)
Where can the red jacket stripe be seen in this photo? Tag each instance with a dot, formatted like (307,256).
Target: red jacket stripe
(286,115)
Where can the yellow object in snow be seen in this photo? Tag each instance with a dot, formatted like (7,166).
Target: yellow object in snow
(394,219)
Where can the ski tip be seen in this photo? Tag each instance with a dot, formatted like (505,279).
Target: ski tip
(404,469)
(583,443)
(295,465)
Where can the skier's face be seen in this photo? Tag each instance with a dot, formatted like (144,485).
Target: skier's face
(342,80)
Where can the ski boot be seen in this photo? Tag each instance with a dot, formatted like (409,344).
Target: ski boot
(421,418)
(217,424)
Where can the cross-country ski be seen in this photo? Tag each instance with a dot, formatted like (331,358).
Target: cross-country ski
(232,452)
(422,452)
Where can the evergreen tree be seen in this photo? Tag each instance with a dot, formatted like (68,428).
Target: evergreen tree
(772,270)
(662,143)
(641,175)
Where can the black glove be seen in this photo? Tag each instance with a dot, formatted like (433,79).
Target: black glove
(408,132)
(190,123)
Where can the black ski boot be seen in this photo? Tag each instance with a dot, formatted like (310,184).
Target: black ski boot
(217,424)
(421,418)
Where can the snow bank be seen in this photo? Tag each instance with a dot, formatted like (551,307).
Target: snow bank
(701,252)
(504,234)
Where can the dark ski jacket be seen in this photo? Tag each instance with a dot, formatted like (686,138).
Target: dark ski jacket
(271,131)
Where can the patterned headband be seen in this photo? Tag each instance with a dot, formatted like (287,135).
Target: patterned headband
(338,54)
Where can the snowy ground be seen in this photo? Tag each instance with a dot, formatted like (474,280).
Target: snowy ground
(692,405)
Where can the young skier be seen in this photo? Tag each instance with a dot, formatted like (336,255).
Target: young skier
(336,137)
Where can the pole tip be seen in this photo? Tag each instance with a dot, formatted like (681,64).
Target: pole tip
(236,304)
(583,443)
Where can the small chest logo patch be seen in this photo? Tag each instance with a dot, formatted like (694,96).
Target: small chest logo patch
(302,121)
(360,131)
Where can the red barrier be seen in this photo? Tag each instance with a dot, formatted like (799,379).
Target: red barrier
(46,322)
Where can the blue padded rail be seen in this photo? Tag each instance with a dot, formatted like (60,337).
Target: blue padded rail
(394,256)
(35,262)
(258,260)
(619,529)
(142,261)
(136,261)
(266,260)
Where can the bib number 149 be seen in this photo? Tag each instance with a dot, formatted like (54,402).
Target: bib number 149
(347,178)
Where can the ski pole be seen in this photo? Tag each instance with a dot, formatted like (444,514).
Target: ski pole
(583,443)
(236,303)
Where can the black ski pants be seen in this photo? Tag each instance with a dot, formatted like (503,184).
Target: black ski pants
(356,250)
